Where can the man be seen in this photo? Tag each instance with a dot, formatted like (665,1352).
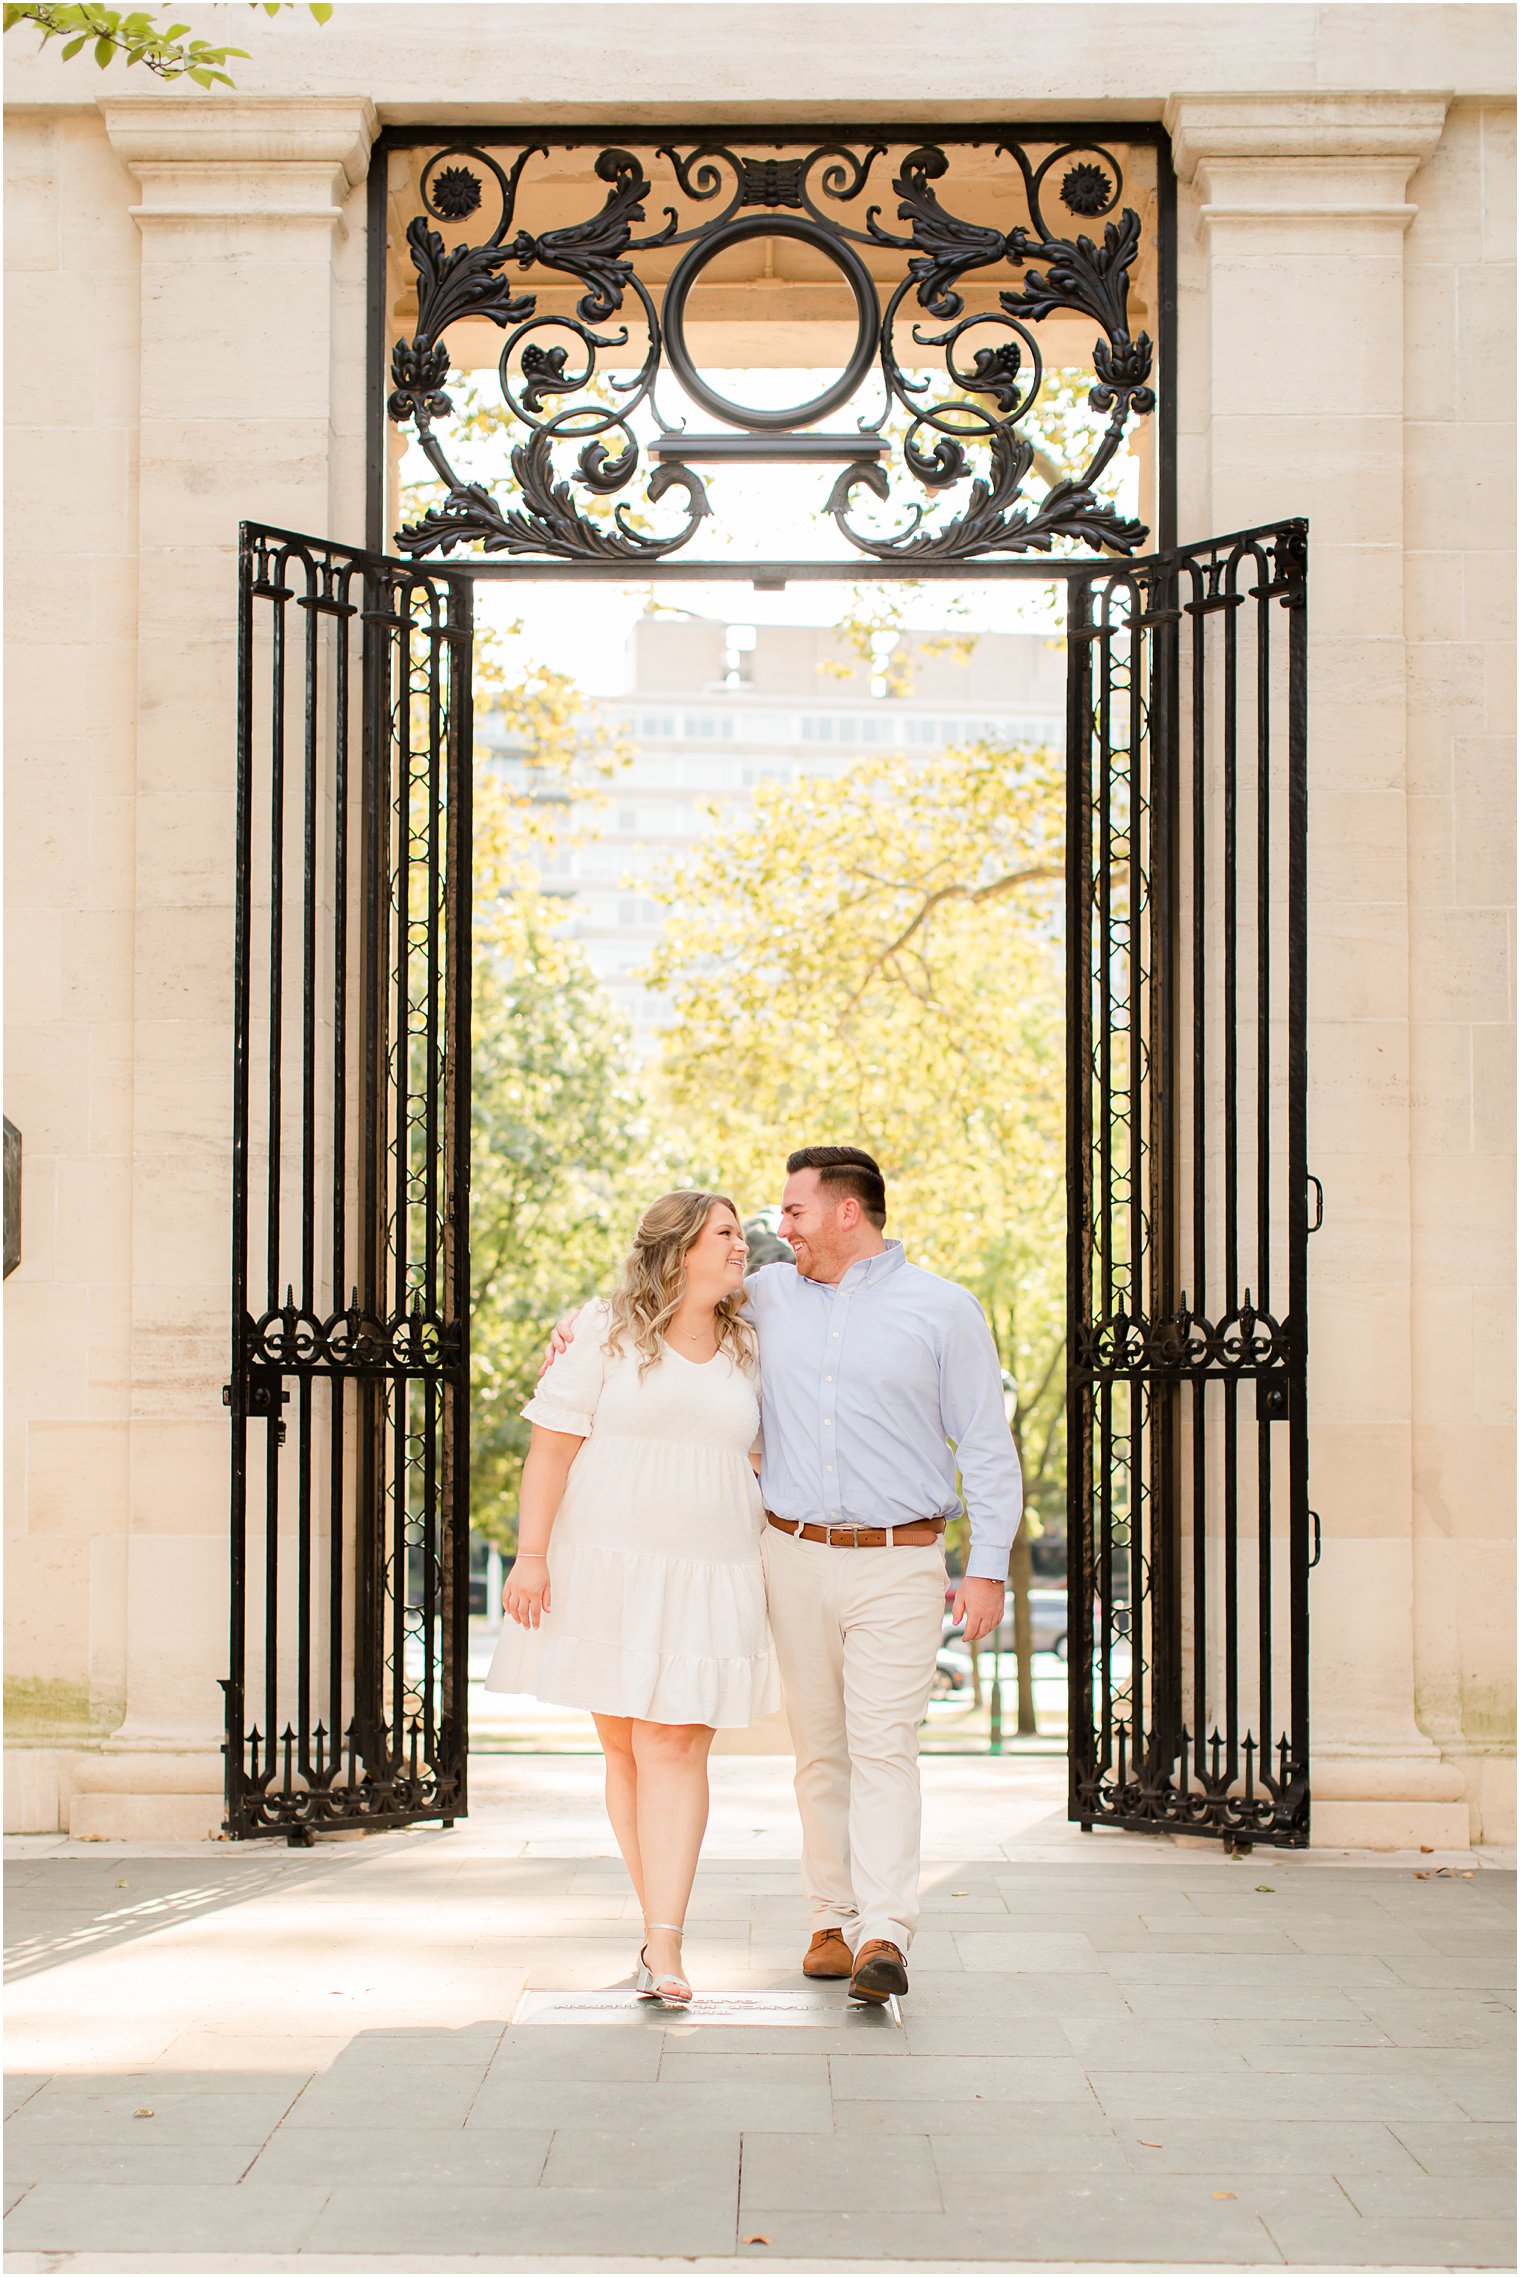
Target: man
(870,1368)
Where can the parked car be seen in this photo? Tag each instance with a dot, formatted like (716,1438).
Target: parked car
(952,1673)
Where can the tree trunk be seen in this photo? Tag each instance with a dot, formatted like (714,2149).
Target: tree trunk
(1020,1574)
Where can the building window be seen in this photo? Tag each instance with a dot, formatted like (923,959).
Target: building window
(739,656)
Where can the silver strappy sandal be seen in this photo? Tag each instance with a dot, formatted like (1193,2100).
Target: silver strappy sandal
(671,1989)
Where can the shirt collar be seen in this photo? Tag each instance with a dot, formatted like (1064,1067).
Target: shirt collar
(870,1269)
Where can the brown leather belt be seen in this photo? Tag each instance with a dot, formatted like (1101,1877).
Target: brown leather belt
(914,1533)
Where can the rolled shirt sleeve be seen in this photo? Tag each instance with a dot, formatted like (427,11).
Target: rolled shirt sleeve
(971,1407)
(571,1385)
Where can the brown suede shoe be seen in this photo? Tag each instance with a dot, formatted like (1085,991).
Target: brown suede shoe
(879,1972)
(827,1956)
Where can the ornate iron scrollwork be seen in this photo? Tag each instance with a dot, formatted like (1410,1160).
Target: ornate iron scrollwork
(353,1342)
(966,424)
(1244,1344)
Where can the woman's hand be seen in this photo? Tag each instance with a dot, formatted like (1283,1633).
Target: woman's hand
(561,1337)
(525,1592)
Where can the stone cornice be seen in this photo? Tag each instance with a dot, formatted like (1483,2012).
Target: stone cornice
(242,160)
(1323,126)
(154,130)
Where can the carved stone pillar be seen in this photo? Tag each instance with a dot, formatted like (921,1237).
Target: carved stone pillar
(1293,216)
(251,395)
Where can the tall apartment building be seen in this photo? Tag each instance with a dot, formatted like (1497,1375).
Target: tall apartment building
(714,708)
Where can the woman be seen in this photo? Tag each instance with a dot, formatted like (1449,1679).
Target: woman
(637,1590)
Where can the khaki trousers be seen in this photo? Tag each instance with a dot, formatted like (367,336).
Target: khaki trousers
(856,1635)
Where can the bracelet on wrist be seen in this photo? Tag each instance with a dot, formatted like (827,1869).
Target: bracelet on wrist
(518,1555)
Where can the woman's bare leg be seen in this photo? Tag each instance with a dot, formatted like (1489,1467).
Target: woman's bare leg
(616,1736)
(671,1767)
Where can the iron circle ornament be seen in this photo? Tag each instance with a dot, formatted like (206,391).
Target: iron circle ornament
(836,250)
(970,475)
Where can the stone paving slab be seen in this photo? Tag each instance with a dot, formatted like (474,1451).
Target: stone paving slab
(1115,2055)
(166,2164)
(1001,2033)
(317,2264)
(1171,2224)
(791,2174)
(1315,2242)
(1269,2095)
(95,2112)
(1296,2147)
(946,2081)
(625,2161)
(695,2065)
(1442,2147)
(543,2219)
(189,2218)
(1083,2122)
(432,2158)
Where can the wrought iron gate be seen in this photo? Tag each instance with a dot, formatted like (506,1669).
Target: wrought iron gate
(345,1702)
(1188,1182)
(1189,1521)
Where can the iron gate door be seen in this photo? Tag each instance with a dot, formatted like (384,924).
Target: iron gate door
(346,1697)
(1188,1190)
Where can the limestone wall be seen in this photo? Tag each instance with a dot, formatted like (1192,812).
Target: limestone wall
(194,356)
(185,292)
(1459,488)
(72,394)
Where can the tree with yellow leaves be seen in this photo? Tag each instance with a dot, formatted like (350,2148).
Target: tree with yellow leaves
(559,1140)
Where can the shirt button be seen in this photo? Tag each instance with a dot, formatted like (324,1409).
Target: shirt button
(828,1379)
(828,1466)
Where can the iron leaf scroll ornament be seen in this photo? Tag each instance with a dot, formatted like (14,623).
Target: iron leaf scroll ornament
(965,423)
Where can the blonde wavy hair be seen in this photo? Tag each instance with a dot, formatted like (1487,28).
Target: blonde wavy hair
(654,1280)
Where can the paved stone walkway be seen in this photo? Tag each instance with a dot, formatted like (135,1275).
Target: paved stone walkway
(1117,2053)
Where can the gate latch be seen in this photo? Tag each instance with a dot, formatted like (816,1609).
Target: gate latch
(1273,1401)
(266,1396)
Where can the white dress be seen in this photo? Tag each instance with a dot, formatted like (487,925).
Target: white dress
(656,1590)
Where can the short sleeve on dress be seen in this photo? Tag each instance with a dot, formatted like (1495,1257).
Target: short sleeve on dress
(570,1386)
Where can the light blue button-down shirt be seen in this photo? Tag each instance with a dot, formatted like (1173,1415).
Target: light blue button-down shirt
(864,1385)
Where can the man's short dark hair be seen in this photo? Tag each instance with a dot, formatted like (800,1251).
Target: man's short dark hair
(847,1170)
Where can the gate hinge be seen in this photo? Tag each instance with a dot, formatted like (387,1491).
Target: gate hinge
(266,1396)
(1274,1396)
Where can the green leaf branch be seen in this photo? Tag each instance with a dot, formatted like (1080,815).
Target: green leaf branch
(140,37)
